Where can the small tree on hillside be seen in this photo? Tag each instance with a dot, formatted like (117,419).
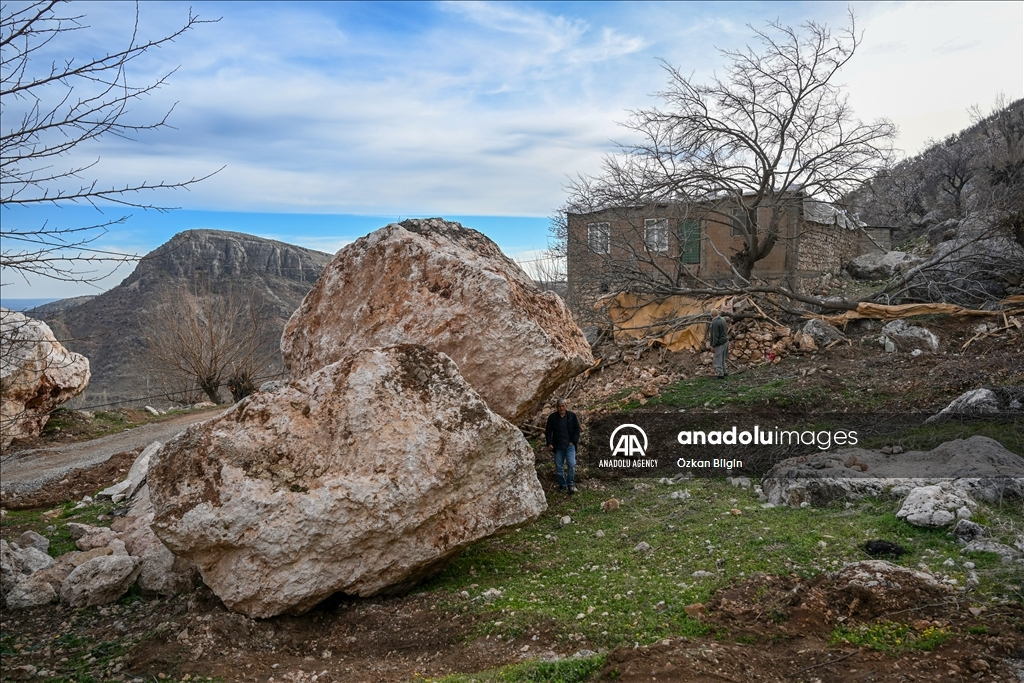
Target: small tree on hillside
(200,340)
(775,122)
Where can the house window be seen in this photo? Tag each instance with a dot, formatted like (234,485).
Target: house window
(740,222)
(689,241)
(599,237)
(656,234)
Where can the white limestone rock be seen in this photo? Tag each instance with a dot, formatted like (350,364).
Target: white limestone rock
(974,402)
(450,288)
(905,335)
(366,476)
(935,506)
(31,592)
(37,374)
(100,581)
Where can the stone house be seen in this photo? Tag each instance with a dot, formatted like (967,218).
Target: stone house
(644,248)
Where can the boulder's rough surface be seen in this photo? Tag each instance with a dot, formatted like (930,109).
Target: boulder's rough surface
(1005,552)
(366,476)
(30,539)
(973,402)
(436,283)
(907,336)
(37,374)
(162,572)
(881,266)
(100,581)
(33,591)
(936,506)
(980,466)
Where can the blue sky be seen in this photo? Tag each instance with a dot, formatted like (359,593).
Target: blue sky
(332,119)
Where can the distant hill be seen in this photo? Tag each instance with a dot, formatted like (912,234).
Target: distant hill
(52,308)
(978,171)
(105,328)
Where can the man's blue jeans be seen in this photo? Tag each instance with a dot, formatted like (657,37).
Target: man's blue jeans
(565,459)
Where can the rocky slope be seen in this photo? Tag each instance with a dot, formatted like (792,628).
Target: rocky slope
(105,328)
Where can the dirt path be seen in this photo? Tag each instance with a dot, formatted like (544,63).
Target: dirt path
(31,470)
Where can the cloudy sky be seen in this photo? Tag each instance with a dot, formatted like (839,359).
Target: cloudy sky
(330,120)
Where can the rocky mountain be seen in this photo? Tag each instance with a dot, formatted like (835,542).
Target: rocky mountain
(106,328)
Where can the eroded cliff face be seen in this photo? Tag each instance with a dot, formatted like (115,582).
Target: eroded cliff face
(106,329)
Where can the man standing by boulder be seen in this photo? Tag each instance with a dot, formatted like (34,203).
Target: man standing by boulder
(563,437)
(719,342)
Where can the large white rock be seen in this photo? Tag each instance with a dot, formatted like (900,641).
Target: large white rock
(100,581)
(973,402)
(366,476)
(161,572)
(37,374)
(936,506)
(904,335)
(450,288)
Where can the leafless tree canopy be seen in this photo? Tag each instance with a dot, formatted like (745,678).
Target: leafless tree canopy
(197,340)
(773,122)
(50,109)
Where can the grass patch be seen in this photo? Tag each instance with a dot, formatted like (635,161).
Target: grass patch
(891,637)
(16,522)
(595,590)
(580,670)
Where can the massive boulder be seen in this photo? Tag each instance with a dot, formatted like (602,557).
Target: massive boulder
(881,266)
(367,476)
(979,466)
(436,283)
(37,374)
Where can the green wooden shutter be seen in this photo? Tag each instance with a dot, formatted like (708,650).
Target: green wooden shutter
(689,241)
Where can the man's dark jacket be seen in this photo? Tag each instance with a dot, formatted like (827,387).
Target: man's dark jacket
(562,431)
(719,331)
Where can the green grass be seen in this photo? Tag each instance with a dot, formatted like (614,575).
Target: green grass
(891,637)
(563,671)
(598,592)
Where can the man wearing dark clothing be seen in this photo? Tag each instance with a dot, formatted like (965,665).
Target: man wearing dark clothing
(719,342)
(563,437)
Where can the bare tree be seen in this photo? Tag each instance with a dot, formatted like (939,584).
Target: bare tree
(51,109)
(199,340)
(771,131)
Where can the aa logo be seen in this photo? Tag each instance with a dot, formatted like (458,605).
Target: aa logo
(626,441)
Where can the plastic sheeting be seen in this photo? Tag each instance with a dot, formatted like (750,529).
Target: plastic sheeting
(635,317)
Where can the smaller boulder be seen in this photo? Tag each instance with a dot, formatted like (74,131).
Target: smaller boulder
(903,334)
(935,506)
(966,531)
(822,333)
(881,266)
(136,475)
(100,581)
(31,539)
(974,402)
(96,537)
(33,591)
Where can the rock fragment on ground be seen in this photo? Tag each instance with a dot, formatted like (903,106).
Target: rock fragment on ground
(979,466)
(974,402)
(100,581)
(936,506)
(136,476)
(366,476)
(437,283)
(908,337)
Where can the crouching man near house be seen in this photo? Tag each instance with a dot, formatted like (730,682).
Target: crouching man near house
(563,437)
(719,342)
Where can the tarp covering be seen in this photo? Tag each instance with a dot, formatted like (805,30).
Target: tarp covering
(828,214)
(635,317)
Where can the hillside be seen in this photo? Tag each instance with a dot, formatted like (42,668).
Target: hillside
(978,170)
(106,328)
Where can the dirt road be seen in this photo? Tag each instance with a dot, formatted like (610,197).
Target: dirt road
(31,470)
